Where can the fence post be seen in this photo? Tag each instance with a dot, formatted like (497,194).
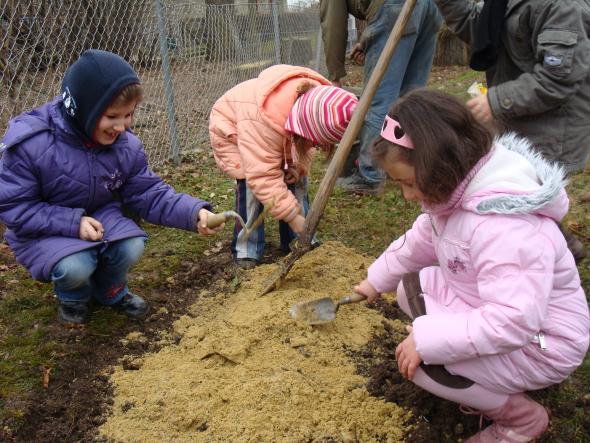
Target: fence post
(318,50)
(167,83)
(277,31)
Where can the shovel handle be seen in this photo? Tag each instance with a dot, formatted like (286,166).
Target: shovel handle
(353,298)
(215,220)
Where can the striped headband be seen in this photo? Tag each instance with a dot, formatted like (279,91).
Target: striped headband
(393,132)
(322,114)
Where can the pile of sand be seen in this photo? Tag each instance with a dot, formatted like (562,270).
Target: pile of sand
(245,371)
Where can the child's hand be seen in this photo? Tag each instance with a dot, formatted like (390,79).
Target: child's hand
(291,176)
(202,224)
(90,229)
(365,288)
(297,224)
(407,357)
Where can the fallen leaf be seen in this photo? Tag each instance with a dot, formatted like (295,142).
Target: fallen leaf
(46,372)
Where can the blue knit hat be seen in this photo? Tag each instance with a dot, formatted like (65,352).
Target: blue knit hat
(90,85)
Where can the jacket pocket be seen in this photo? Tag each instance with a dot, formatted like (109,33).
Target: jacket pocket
(555,48)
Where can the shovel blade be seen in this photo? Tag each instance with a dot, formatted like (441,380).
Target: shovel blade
(314,312)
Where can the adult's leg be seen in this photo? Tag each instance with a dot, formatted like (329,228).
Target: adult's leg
(428,22)
(249,208)
(376,34)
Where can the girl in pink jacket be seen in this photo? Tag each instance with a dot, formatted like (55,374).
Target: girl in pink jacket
(263,132)
(484,272)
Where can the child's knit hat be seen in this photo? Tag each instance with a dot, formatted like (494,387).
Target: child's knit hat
(322,114)
(90,85)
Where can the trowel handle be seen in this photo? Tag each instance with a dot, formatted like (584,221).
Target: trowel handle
(214,220)
(353,298)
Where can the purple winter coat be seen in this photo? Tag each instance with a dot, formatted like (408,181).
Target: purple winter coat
(49,180)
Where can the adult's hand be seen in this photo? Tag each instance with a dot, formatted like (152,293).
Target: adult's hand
(481,110)
(365,288)
(407,357)
(90,229)
(358,53)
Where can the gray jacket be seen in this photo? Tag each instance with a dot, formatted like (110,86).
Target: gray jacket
(540,84)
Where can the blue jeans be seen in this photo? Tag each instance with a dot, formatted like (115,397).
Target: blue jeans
(409,68)
(248,206)
(99,272)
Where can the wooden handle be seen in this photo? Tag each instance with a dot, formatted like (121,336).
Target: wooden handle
(353,298)
(215,220)
(335,167)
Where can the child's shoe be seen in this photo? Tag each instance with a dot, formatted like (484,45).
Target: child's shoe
(521,419)
(132,305)
(73,312)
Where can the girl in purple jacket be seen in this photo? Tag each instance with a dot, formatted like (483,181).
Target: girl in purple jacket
(66,169)
(484,273)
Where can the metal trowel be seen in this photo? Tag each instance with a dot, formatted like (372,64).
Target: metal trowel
(322,310)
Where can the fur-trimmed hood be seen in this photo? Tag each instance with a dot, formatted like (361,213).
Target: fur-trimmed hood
(517,180)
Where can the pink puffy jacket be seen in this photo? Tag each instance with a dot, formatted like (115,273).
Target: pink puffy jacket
(495,273)
(247,131)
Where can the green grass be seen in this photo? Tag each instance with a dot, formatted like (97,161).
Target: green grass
(367,224)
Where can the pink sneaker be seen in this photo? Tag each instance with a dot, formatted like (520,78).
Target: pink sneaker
(520,420)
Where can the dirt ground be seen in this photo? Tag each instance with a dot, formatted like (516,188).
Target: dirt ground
(80,395)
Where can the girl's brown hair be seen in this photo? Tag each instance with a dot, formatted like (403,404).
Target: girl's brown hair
(130,93)
(447,140)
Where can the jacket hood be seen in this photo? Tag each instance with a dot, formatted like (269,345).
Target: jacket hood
(25,126)
(90,84)
(517,180)
(276,94)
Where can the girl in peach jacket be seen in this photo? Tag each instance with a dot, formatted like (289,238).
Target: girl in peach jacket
(484,272)
(263,132)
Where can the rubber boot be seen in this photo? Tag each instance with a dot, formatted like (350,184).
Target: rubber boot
(73,312)
(132,305)
(521,419)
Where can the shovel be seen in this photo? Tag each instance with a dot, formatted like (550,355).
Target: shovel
(336,164)
(322,310)
(247,228)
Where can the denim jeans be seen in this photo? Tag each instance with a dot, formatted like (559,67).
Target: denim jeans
(100,272)
(248,206)
(409,68)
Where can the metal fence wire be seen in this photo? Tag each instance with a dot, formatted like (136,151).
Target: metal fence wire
(187,54)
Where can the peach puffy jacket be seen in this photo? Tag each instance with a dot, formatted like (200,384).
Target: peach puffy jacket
(247,130)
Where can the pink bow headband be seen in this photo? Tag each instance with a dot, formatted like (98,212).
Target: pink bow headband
(393,132)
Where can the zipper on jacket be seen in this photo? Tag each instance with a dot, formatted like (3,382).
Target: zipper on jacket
(432,224)
(539,338)
(92,178)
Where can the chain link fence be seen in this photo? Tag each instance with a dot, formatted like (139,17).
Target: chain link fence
(187,54)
